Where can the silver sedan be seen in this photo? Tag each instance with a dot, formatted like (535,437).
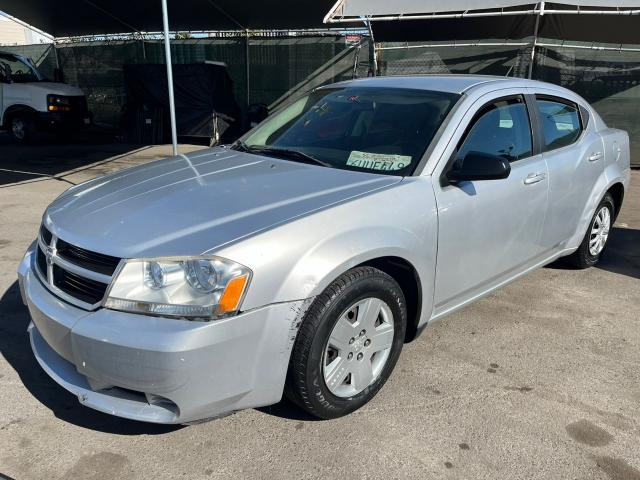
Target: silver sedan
(300,259)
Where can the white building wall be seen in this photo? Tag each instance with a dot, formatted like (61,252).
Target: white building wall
(12,33)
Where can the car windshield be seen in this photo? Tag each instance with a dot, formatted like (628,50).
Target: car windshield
(370,129)
(17,70)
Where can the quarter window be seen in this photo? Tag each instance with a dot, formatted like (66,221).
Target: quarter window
(501,129)
(561,124)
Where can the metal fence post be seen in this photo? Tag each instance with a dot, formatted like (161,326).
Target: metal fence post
(535,40)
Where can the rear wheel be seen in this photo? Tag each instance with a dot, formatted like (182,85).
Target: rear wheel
(348,343)
(595,240)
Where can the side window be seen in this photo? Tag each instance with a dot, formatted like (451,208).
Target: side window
(561,124)
(501,129)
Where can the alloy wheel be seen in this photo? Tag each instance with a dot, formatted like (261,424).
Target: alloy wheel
(599,231)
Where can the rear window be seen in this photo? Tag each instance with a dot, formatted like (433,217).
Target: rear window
(561,123)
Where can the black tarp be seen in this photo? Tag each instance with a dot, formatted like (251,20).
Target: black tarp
(443,29)
(205,105)
(616,29)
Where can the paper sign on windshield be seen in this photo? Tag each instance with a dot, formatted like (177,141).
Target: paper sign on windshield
(378,161)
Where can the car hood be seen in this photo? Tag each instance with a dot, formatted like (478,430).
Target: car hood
(53,88)
(190,204)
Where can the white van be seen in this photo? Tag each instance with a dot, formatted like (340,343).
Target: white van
(30,102)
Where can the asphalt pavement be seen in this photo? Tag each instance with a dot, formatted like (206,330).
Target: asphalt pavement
(541,380)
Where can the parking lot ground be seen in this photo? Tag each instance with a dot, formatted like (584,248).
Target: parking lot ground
(540,380)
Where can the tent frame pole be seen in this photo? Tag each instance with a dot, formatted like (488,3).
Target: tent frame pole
(247,69)
(535,40)
(167,56)
(373,55)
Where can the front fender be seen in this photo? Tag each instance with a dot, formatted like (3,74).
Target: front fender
(329,259)
(300,259)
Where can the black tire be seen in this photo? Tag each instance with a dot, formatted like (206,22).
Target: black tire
(582,257)
(305,384)
(21,127)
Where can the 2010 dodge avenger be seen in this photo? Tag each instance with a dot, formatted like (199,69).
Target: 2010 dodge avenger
(299,259)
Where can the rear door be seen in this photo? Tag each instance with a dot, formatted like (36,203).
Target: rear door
(575,157)
(489,230)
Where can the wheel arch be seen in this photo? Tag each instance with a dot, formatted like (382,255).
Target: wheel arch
(13,109)
(403,272)
(604,185)
(617,192)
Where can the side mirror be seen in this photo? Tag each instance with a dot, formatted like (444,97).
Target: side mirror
(480,166)
(58,76)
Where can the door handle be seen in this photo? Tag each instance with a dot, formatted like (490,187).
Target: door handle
(534,178)
(595,156)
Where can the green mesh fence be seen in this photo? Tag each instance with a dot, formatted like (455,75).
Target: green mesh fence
(275,65)
(97,70)
(485,59)
(283,66)
(350,63)
(608,79)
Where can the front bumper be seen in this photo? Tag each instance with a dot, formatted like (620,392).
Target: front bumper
(54,121)
(156,369)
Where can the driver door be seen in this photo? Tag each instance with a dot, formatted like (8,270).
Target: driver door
(489,230)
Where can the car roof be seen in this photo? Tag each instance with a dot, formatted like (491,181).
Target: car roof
(440,83)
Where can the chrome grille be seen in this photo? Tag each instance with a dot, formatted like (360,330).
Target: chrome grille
(74,274)
(84,258)
(89,291)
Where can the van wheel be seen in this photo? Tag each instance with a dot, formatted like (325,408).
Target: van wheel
(21,127)
(348,343)
(595,239)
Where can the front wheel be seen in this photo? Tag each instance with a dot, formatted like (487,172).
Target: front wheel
(21,127)
(348,343)
(594,241)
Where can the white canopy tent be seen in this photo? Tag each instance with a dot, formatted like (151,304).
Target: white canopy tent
(383,10)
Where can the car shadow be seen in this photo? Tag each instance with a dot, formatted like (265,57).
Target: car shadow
(16,349)
(52,160)
(288,410)
(622,254)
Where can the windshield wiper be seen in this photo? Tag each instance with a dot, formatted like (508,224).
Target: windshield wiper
(241,146)
(281,152)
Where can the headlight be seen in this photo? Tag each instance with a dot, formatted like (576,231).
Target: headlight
(58,103)
(201,287)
